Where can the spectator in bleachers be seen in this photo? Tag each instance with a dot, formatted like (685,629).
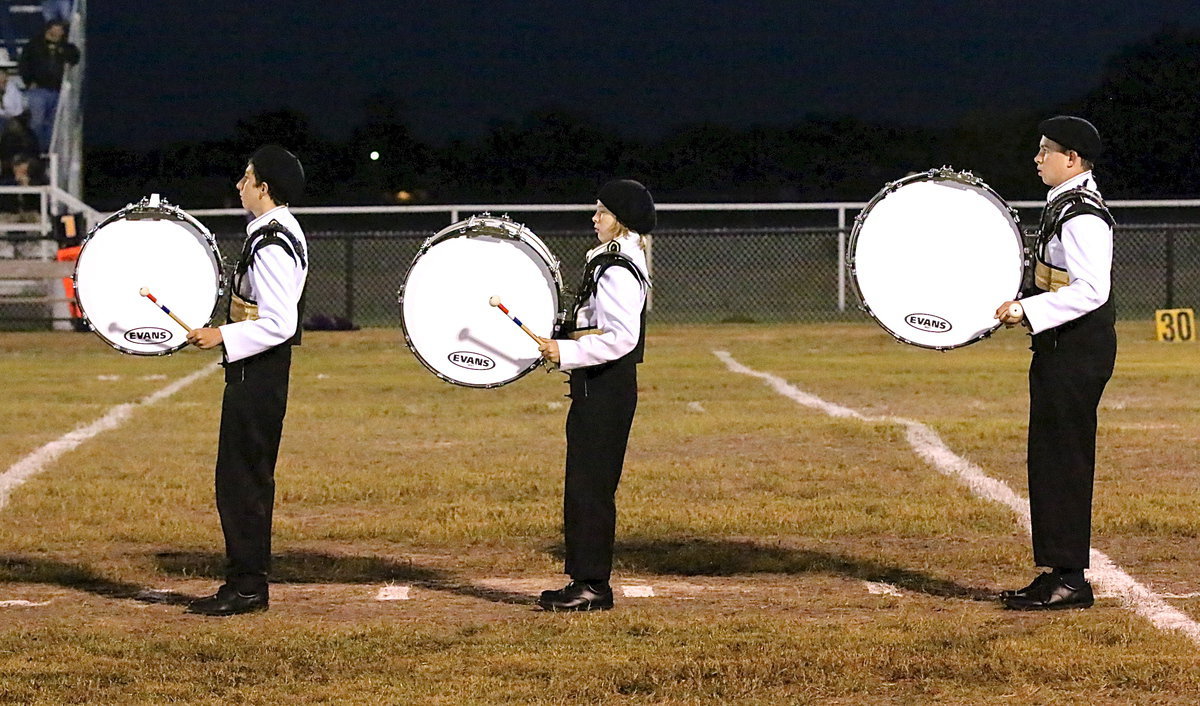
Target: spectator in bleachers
(57,10)
(26,170)
(15,136)
(12,98)
(42,64)
(16,139)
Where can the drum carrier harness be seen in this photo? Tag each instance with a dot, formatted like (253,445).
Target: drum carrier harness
(274,233)
(1094,327)
(612,257)
(1067,205)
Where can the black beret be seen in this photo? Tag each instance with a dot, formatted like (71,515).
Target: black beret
(1074,134)
(631,203)
(281,170)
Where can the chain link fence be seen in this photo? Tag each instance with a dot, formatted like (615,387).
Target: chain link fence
(706,275)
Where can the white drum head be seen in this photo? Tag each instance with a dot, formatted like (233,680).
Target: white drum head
(449,324)
(177,261)
(934,255)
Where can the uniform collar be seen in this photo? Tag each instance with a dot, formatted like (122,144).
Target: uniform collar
(627,243)
(264,219)
(1085,180)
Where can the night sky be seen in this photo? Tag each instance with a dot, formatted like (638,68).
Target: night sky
(187,71)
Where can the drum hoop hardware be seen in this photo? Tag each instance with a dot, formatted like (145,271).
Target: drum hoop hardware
(147,209)
(465,227)
(486,224)
(944,173)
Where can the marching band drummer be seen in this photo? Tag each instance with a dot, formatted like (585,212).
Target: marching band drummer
(601,357)
(1072,316)
(263,324)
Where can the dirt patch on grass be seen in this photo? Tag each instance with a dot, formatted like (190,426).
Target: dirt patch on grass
(339,583)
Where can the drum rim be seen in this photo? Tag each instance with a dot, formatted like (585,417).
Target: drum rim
(151,204)
(480,224)
(945,173)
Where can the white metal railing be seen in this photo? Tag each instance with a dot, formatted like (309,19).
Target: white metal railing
(52,199)
(840,208)
(49,197)
(455,211)
(66,144)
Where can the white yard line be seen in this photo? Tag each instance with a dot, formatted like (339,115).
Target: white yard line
(1108,577)
(39,459)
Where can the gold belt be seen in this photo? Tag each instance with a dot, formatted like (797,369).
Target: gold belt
(580,333)
(1050,279)
(242,310)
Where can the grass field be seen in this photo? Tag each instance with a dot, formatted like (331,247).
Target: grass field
(794,557)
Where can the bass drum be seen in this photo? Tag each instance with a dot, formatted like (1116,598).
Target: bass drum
(933,255)
(448,322)
(152,245)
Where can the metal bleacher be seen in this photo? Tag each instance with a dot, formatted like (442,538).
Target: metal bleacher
(32,292)
(23,22)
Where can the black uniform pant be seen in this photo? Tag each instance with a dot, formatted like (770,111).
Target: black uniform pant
(252,412)
(598,423)
(1070,367)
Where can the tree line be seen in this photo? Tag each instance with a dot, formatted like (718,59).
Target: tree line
(1147,107)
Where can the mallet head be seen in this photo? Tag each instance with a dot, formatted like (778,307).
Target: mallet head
(494,300)
(144,291)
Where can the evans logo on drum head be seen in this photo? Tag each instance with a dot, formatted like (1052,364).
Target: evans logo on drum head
(147,334)
(471,361)
(928,322)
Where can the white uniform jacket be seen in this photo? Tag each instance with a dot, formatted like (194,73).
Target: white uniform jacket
(616,309)
(275,282)
(1085,251)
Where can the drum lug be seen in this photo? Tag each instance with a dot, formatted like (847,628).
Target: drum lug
(986,200)
(482,227)
(93,269)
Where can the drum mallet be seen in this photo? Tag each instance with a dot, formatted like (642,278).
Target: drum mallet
(145,292)
(495,301)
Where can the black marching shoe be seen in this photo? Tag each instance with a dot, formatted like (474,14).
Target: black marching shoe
(228,601)
(1024,592)
(578,595)
(1049,592)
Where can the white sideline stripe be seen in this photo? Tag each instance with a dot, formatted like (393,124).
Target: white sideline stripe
(37,460)
(22,604)
(637,591)
(930,447)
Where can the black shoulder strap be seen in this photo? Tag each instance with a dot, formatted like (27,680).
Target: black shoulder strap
(1079,201)
(272,233)
(592,273)
(1084,208)
(591,280)
(597,265)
